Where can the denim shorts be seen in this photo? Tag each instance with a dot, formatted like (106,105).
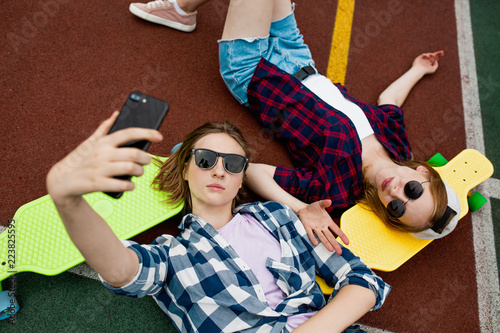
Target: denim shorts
(283,47)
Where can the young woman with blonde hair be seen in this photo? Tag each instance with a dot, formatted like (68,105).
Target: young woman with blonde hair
(343,150)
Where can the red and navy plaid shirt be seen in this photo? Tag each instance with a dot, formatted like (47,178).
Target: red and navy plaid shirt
(323,143)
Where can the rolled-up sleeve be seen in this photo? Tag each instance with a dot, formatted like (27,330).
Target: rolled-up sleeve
(338,182)
(347,269)
(149,280)
(393,111)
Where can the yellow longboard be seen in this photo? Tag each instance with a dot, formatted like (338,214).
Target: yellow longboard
(384,248)
(36,239)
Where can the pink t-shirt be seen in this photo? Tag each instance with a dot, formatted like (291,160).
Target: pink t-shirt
(254,244)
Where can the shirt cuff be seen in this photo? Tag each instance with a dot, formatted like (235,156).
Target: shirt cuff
(127,244)
(373,282)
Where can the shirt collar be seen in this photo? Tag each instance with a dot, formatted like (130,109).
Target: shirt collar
(189,219)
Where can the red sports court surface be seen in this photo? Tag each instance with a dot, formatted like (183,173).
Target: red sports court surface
(66,65)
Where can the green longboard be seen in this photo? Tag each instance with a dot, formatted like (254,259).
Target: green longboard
(36,239)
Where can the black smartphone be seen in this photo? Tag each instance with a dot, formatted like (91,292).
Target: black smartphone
(139,110)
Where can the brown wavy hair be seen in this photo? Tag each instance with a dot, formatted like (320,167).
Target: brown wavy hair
(437,189)
(169,178)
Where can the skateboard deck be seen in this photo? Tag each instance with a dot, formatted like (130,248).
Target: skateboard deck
(36,239)
(384,248)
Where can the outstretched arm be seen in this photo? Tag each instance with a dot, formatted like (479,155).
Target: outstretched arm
(314,217)
(397,92)
(90,168)
(351,303)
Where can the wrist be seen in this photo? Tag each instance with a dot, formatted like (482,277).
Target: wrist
(66,202)
(418,72)
(57,188)
(298,206)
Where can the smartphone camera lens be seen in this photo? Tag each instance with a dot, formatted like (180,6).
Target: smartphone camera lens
(135,97)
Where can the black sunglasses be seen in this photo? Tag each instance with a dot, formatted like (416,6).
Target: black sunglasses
(413,190)
(207,159)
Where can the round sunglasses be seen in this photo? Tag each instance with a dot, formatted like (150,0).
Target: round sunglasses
(207,159)
(413,190)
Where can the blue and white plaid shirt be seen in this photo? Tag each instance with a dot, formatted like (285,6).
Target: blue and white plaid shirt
(204,286)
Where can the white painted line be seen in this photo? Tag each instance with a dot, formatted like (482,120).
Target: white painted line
(484,244)
(492,188)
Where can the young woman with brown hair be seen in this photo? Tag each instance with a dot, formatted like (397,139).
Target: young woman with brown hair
(247,269)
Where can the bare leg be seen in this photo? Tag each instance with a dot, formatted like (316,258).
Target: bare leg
(190,6)
(252,18)
(281,9)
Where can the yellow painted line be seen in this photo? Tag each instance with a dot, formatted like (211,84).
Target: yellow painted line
(339,51)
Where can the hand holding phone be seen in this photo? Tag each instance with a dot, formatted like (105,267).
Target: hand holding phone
(139,110)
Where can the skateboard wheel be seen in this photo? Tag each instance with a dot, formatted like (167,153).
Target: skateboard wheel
(476,201)
(8,304)
(437,160)
(176,148)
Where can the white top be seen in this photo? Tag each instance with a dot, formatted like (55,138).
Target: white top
(328,92)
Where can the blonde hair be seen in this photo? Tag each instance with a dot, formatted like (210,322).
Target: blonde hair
(437,189)
(170,177)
